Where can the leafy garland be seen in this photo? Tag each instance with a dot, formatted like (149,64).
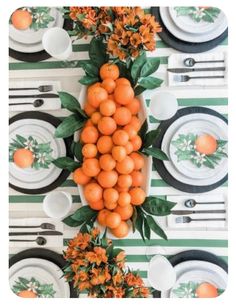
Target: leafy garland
(40,17)
(42,151)
(41,290)
(198,13)
(185,145)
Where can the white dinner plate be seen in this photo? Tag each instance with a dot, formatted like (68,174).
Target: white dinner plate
(219,172)
(42,270)
(185,36)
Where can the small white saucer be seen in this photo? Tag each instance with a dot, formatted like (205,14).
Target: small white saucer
(163,105)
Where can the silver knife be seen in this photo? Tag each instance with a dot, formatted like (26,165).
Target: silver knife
(183,70)
(46,95)
(189,212)
(41,233)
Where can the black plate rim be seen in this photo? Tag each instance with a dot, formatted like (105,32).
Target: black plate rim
(55,122)
(185,46)
(42,254)
(159,165)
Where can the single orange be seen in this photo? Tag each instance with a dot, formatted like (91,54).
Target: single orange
(121,230)
(110,71)
(122,81)
(135,122)
(21,19)
(96,116)
(89,109)
(89,150)
(122,116)
(120,138)
(91,167)
(126,166)
(134,106)
(27,294)
(23,158)
(110,205)
(80,178)
(110,195)
(206,290)
(137,178)
(96,205)
(89,135)
(107,162)
(112,220)
(129,148)
(93,192)
(206,144)
(96,95)
(123,94)
(102,217)
(107,107)
(126,212)
(107,125)
(97,84)
(138,160)
(109,85)
(107,179)
(124,181)
(124,198)
(104,144)
(118,153)
(121,189)
(137,196)
(130,130)
(136,142)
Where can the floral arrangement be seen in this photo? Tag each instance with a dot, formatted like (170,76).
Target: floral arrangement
(125,30)
(95,266)
(199,13)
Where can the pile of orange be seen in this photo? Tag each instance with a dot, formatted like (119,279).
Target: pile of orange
(111,171)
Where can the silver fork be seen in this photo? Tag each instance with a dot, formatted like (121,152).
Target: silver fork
(42,88)
(186,219)
(186,78)
(48,226)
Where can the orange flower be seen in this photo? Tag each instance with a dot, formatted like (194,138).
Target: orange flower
(141,292)
(133,280)
(81,241)
(84,285)
(135,40)
(117,292)
(74,10)
(117,278)
(151,45)
(98,256)
(95,232)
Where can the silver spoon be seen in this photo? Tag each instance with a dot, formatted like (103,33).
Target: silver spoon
(36,103)
(39,240)
(192,203)
(190,62)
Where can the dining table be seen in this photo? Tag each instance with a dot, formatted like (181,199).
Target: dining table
(68,73)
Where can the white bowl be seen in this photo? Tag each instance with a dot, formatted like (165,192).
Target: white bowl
(57,204)
(163,105)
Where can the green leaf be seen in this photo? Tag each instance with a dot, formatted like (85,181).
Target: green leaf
(150,138)
(69,101)
(88,80)
(151,65)
(69,126)
(84,213)
(134,218)
(66,163)
(143,130)
(71,222)
(155,227)
(138,90)
(139,222)
(156,153)
(76,149)
(147,231)
(90,69)
(97,52)
(158,207)
(116,251)
(137,66)
(150,82)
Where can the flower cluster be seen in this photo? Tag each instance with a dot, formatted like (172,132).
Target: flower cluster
(126,30)
(94,266)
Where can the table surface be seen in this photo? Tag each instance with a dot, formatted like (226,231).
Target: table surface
(27,206)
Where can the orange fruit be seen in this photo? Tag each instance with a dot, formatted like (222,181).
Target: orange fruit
(124,181)
(121,230)
(122,81)
(134,106)
(89,109)
(121,189)
(112,220)
(111,97)
(93,192)
(107,107)
(101,217)
(97,84)
(137,196)
(135,122)
(206,144)
(130,130)
(107,162)
(118,153)
(120,138)
(110,205)
(96,116)
(80,178)
(96,205)
(137,178)
(88,123)
(89,150)
(110,195)
(23,158)
(96,95)
(126,212)
(122,116)
(206,290)
(91,167)
(27,294)
(21,19)
(138,160)
(123,94)
(129,148)
(126,166)
(104,144)
(109,71)
(107,179)
(136,142)
(107,125)
(109,85)
(89,134)
(124,198)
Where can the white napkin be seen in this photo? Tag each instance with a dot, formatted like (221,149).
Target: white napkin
(199,224)
(176,61)
(49,104)
(52,241)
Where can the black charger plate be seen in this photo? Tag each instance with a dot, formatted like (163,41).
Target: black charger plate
(184,46)
(46,254)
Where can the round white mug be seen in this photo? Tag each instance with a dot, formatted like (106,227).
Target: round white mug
(163,105)
(57,43)
(57,204)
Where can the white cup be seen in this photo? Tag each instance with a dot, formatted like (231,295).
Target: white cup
(57,204)
(57,42)
(163,105)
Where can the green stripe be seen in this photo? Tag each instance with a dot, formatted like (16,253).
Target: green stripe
(159,183)
(80,48)
(69,183)
(198,101)
(35,198)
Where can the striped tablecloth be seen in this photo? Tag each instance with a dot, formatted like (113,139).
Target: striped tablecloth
(26,206)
